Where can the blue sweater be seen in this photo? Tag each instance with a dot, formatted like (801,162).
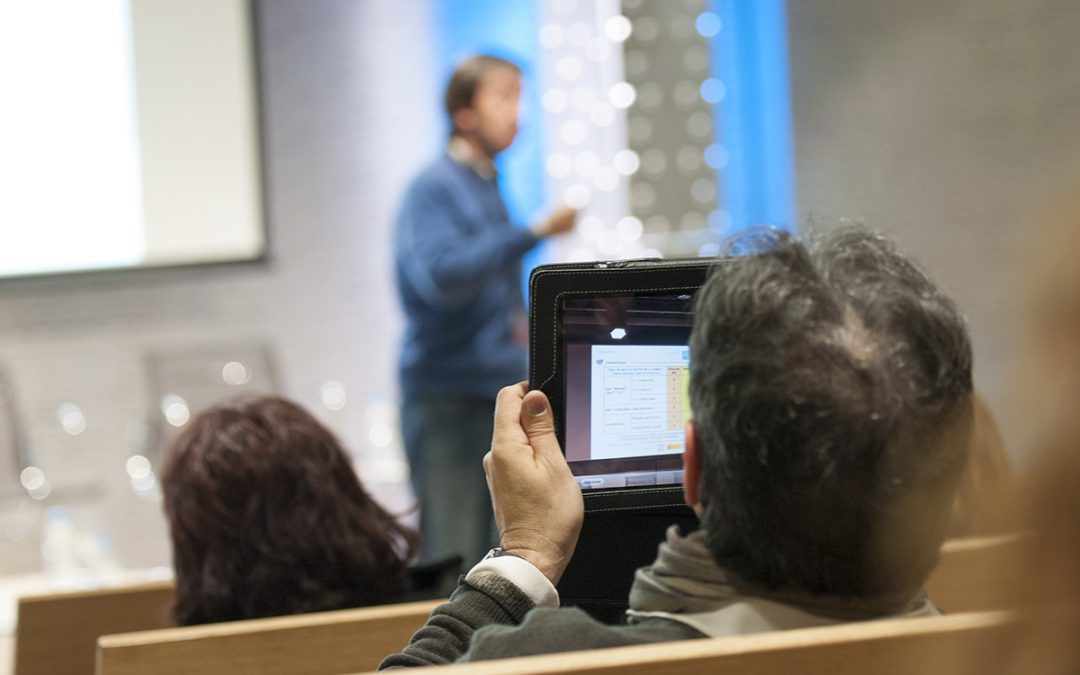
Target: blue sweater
(457,260)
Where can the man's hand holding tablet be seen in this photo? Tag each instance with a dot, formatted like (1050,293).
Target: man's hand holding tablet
(538,506)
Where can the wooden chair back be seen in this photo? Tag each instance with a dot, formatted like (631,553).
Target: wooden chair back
(939,644)
(321,643)
(357,639)
(56,634)
(968,577)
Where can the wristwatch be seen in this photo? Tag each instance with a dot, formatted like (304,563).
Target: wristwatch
(499,552)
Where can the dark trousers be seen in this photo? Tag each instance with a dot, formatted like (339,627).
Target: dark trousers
(445,442)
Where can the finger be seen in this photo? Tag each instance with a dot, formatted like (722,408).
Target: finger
(508,407)
(510,393)
(491,492)
(539,424)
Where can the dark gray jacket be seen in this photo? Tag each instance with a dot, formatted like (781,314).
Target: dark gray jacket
(486,619)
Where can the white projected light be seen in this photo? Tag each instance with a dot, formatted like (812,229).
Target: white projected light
(576,196)
(137,466)
(333,395)
(551,36)
(32,478)
(602,114)
(176,410)
(626,162)
(71,418)
(618,333)
(586,135)
(618,28)
(559,164)
(606,179)
(235,373)
(622,94)
(98,167)
(629,228)
(70,183)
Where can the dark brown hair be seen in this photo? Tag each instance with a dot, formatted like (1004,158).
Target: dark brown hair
(267,517)
(461,90)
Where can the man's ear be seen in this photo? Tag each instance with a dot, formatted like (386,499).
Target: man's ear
(465,119)
(692,468)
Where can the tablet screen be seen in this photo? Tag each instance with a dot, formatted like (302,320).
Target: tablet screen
(626,388)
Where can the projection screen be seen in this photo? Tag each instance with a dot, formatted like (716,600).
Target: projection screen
(129,135)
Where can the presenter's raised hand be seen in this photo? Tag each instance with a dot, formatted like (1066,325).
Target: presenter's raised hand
(537,502)
(559,221)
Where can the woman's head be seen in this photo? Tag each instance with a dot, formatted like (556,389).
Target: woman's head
(267,517)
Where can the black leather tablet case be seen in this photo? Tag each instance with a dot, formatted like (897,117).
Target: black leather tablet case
(622,527)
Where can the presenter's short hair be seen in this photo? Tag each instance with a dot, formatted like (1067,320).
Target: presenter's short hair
(466,79)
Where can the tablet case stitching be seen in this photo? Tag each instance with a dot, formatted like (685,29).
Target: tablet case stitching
(653,491)
(642,507)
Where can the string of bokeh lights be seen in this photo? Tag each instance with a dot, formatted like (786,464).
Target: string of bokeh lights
(580,110)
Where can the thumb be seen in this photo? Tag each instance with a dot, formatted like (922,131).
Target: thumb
(539,423)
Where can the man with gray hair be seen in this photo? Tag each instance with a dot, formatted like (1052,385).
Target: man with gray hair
(831,399)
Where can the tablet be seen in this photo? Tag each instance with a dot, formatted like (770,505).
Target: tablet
(609,345)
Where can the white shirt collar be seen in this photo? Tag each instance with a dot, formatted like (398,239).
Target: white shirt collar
(463,153)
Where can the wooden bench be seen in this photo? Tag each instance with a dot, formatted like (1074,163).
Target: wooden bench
(322,643)
(56,634)
(967,579)
(940,644)
(357,639)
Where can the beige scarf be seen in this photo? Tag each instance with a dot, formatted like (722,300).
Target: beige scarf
(686,585)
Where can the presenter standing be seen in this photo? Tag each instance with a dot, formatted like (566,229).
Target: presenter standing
(458,268)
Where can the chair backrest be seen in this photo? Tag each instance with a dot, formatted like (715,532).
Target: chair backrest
(352,640)
(967,578)
(939,644)
(320,643)
(56,634)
